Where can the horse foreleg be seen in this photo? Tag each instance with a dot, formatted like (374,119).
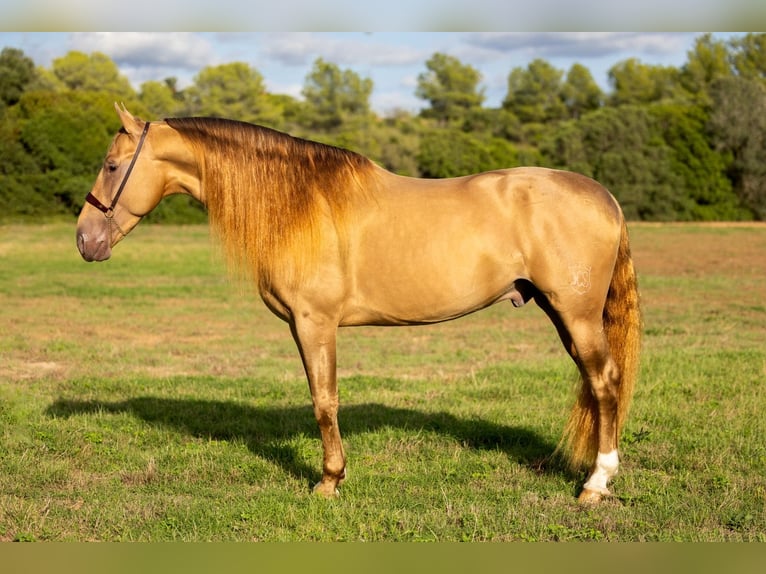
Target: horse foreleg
(315,338)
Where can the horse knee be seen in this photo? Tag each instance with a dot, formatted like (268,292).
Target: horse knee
(326,415)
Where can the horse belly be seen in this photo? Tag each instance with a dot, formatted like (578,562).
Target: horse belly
(431,273)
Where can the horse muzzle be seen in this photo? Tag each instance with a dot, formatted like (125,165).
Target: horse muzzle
(94,247)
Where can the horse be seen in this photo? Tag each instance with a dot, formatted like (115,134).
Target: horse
(332,239)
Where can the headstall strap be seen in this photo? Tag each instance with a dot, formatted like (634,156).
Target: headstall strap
(109,211)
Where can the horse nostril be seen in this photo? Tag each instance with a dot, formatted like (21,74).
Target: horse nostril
(83,246)
(81,237)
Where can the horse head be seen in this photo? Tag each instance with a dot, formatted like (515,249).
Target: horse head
(127,188)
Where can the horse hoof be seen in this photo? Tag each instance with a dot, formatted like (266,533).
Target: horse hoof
(588,496)
(326,490)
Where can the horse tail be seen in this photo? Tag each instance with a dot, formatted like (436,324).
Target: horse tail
(622,326)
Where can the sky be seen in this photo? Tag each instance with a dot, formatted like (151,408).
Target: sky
(392,61)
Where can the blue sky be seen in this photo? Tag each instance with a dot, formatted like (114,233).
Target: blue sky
(392,60)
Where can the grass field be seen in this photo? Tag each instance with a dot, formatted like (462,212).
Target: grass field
(148,398)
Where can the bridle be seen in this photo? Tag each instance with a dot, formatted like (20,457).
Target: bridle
(109,211)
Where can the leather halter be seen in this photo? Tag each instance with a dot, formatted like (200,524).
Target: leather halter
(109,211)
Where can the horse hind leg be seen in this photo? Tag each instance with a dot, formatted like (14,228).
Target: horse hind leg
(591,433)
(598,318)
(593,426)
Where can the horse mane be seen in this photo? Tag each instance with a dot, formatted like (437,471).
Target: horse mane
(266,190)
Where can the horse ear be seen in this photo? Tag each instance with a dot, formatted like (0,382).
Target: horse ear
(131,124)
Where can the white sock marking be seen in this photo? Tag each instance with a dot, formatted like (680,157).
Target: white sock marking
(606,468)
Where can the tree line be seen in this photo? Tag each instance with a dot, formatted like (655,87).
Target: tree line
(672,143)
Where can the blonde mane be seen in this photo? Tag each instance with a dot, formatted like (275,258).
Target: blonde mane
(265,189)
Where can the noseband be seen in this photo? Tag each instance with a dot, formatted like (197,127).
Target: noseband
(109,211)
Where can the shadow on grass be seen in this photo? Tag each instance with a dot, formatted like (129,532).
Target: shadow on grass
(267,431)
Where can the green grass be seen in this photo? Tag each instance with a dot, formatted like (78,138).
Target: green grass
(147,398)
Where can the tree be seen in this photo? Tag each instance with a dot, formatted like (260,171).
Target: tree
(64,136)
(580,92)
(738,123)
(94,72)
(398,138)
(636,83)
(564,148)
(700,168)
(458,153)
(161,98)
(749,56)
(46,81)
(334,96)
(535,94)
(289,110)
(235,91)
(706,62)
(16,71)
(451,88)
(497,122)
(622,149)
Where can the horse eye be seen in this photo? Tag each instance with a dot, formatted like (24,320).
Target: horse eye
(111,167)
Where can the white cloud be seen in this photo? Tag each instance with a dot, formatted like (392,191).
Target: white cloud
(143,56)
(352,49)
(185,50)
(578,44)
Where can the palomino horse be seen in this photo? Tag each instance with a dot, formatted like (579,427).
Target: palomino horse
(334,240)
